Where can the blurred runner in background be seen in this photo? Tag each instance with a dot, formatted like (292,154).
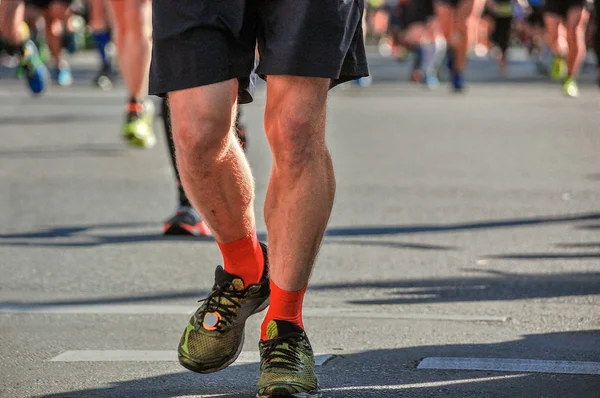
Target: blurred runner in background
(414,26)
(133,32)
(58,34)
(16,41)
(572,16)
(499,15)
(459,20)
(98,22)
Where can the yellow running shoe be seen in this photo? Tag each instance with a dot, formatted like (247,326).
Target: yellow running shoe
(287,363)
(214,337)
(139,125)
(558,68)
(570,88)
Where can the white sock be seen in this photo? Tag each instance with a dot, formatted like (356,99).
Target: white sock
(438,54)
(428,55)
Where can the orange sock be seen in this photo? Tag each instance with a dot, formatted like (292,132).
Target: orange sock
(285,306)
(244,258)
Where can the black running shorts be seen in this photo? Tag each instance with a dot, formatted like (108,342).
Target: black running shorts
(502,30)
(536,17)
(44,4)
(201,42)
(450,3)
(416,11)
(562,7)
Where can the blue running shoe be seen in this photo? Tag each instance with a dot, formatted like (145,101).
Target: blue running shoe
(32,67)
(431,81)
(363,81)
(458,83)
(62,74)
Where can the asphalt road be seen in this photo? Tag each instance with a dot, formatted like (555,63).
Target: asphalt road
(465,226)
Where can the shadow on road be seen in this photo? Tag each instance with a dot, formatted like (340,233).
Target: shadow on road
(392,373)
(49,152)
(434,228)
(594,176)
(546,256)
(45,120)
(95,239)
(388,244)
(131,299)
(492,286)
(586,245)
(589,226)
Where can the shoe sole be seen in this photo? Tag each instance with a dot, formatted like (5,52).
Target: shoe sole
(186,230)
(132,140)
(196,367)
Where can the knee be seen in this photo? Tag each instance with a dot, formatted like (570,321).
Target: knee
(472,22)
(54,27)
(294,137)
(204,136)
(57,11)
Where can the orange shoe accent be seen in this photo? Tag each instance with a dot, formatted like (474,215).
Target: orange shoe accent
(135,107)
(244,258)
(203,229)
(285,306)
(211,320)
(199,229)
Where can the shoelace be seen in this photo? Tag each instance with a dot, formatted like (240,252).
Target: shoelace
(215,303)
(277,356)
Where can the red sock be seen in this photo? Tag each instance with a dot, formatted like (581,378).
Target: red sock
(285,306)
(244,258)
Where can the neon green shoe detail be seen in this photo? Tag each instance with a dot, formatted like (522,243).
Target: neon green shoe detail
(570,88)
(138,133)
(214,336)
(139,128)
(185,339)
(558,68)
(45,54)
(287,363)
(149,112)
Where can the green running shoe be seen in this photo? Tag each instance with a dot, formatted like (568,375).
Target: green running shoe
(287,363)
(558,68)
(214,337)
(45,54)
(139,125)
(570,88)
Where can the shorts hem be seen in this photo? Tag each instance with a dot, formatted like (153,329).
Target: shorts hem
(333,72)
(163,85)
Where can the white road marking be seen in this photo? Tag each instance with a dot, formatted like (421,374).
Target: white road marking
(245,357)
(512,365)
(394,387)
(333,312)
(351,313)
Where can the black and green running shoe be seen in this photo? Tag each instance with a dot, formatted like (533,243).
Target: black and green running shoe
(287,363)
(214,337)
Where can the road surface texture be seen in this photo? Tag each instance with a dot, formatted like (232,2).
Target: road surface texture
(462,258)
